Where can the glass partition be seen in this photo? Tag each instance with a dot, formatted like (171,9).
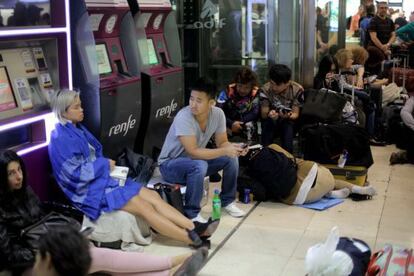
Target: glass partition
(23,13)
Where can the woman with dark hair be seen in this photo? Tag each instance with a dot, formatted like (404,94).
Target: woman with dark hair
(325,78)
(240,103)
(20,208)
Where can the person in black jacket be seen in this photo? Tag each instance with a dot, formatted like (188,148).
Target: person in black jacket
(19,208)
(325,78)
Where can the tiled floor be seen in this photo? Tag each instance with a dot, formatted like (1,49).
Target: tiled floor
(273,238)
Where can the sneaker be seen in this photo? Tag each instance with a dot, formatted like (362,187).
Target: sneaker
(377,142)
(234,211)
(199,218)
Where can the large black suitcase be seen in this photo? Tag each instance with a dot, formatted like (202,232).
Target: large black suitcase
(324,144)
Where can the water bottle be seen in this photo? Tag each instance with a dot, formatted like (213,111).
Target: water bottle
(342,159)
(216,213)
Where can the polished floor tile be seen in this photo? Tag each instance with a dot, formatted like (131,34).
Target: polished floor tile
(274,238)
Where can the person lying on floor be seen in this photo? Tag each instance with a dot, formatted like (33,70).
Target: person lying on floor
(83,174)
(312,182)
(21,208)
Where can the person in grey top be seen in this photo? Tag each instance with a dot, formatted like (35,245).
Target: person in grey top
(184,158)
(407,116)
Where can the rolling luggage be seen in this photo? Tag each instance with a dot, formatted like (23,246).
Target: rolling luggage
(354,174)
(403,76)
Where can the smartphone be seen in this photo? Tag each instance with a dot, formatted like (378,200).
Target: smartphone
(257,146)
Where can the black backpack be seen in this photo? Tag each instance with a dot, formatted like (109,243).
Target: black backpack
(275,171)
(324,144)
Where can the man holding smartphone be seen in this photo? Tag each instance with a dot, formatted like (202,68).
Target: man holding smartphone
(280,101)
(184,158)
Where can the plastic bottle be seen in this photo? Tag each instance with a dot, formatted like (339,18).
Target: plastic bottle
(216,212)
(342,159)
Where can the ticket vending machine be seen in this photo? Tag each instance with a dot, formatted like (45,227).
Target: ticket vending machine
(110,94)
(162,74)
(34,63)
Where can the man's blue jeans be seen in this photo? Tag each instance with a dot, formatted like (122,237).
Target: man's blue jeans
(189,172)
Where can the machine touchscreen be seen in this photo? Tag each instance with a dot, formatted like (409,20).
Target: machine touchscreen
(7,99)
(104,66)
(152,55)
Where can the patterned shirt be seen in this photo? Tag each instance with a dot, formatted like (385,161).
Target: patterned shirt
(292,96)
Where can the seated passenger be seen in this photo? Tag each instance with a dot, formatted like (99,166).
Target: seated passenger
(240,103)
(407,116)
(184,158)
(315,181)
(351,78)
(325,77)
(360,56)
(20,208)
(280,102)
(82,172)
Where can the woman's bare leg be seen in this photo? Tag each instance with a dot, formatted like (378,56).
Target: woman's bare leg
(140,207)
(165,209)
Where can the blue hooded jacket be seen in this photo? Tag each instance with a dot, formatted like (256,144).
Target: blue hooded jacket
(86,182)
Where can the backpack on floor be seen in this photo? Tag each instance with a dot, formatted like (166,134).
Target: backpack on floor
(274,170)
(392,260)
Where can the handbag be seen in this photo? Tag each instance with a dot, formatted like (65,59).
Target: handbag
(31,234)
(323,105)
(171,194)
(141,167)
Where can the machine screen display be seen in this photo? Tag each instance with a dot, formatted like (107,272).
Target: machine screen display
(152,55)
(7,100)
(104,66)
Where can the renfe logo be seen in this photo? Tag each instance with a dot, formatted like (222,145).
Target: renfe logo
(166,110)
(123,127)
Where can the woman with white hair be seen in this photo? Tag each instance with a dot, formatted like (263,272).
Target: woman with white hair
(83,173)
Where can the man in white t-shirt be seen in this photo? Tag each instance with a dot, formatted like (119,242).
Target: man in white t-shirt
(184,158)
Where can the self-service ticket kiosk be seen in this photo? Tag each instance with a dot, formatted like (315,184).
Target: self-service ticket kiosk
(34,63)
(111,96)
(162,74)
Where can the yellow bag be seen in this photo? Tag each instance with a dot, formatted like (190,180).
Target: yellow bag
(354,174)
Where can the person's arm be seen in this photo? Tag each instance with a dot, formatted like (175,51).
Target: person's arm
(403,32)
(375,40)
(195,152)
(360,70)
(407,113)
(253,113)
(392,39)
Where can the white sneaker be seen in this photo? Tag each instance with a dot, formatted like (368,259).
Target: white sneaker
(234,211)
(199,218)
